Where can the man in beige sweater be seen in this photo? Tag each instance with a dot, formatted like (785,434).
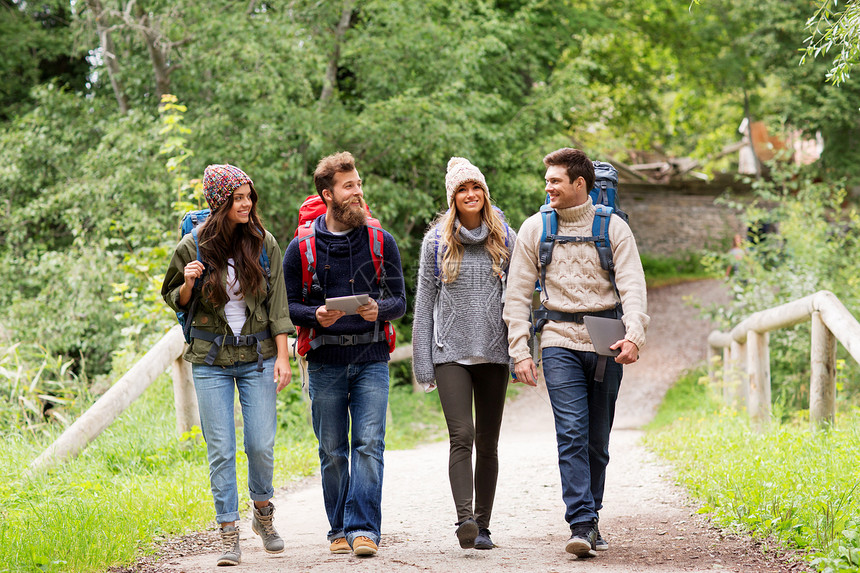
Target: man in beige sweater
(582,387)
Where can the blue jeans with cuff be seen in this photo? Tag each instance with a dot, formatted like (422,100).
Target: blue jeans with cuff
(353,395)
(215,387)
(583,410)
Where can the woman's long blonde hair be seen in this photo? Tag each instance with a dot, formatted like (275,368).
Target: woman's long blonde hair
(449,237)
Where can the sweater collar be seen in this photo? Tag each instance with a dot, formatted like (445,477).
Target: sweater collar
(473,236)
(579,215)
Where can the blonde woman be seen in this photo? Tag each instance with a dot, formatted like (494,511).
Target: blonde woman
(460,340)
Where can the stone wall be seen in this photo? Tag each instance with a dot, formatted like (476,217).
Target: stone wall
(668,220)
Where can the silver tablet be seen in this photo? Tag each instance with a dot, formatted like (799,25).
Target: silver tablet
(604,332)
(348,304)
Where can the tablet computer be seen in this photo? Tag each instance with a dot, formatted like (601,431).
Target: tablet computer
(604,332)
(348,304)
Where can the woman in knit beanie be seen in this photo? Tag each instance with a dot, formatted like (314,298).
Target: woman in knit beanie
(460,342)
(219,276)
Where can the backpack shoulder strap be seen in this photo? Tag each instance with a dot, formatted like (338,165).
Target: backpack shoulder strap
(306,234)
(600,229)
(438,252)
(199,256)
(377,241)
(549,219)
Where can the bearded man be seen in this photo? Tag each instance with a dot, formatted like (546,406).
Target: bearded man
(348,360)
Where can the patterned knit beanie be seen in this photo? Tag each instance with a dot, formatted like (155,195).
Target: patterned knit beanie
(461,170)
(219,182)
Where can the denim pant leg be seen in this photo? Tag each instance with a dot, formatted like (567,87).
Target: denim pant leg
(601,414)
(215,395)
(368,405)
(328,387)
(583,412)
(258,397)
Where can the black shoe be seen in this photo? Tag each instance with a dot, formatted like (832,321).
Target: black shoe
(582,538)
(467,531)
(600,544)
(483,540)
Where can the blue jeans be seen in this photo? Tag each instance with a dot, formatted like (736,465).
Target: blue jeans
(583,411)
(215,398)
(352,492)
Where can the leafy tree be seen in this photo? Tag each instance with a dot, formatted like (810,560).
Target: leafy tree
(838,30)
(37,47)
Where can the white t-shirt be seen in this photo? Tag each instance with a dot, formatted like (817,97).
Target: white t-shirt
(236,305)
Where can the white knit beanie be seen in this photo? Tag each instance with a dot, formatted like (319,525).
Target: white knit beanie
(461,170)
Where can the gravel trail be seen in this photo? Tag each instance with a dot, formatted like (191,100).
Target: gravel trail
(649,522)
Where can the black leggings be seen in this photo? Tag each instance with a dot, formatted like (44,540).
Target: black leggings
(456,384)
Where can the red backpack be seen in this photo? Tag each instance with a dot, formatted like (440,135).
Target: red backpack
(312,208)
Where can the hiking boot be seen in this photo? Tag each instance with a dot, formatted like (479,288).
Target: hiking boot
(230,543)
(581,542)
(600,544)
(483,540)
(364,546)
(261,524)
(340,545)
(467,531)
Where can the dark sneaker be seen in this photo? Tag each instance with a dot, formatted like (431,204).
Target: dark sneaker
(600,544)
(483,540)
(230,543)
(261,524)
(467,531)
(581,542)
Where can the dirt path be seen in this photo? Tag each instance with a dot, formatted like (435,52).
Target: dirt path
(649,522)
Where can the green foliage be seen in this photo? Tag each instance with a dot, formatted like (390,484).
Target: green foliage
(810,251)
(683,267)
(833,28)
(690,397)
(789,484)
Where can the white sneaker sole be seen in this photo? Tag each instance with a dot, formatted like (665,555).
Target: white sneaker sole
(580,548)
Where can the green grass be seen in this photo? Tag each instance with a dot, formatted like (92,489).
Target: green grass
(786,483)
(665,271)
(139,482)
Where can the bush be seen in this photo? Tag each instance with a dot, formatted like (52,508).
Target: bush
(809,247)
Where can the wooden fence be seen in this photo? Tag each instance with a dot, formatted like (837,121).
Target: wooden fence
(166,353)
(746,355)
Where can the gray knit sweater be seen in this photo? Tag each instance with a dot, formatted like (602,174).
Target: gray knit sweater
(460,320)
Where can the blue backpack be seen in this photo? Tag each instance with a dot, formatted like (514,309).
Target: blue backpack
(190,222)
(604,195)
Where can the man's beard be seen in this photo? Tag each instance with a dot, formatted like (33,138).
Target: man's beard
(350,215)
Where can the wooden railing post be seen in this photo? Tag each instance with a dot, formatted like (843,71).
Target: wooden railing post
(822,390)
(758,370)
(737,378)
(184,397)
(729,394)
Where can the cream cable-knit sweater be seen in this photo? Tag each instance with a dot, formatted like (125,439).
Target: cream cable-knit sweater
(575,282)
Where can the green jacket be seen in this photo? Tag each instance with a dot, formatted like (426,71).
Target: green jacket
(263,310)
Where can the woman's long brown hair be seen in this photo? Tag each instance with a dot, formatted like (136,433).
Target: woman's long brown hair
(243,245)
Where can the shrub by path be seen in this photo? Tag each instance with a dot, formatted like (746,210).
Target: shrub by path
(650,523)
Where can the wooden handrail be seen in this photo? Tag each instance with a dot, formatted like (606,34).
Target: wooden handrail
(746,356)
(166,353)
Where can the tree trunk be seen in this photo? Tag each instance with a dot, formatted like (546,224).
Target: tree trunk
(330,79)
(109,54)
(156,55)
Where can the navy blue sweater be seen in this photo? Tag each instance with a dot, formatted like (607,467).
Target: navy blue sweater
(344,267)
